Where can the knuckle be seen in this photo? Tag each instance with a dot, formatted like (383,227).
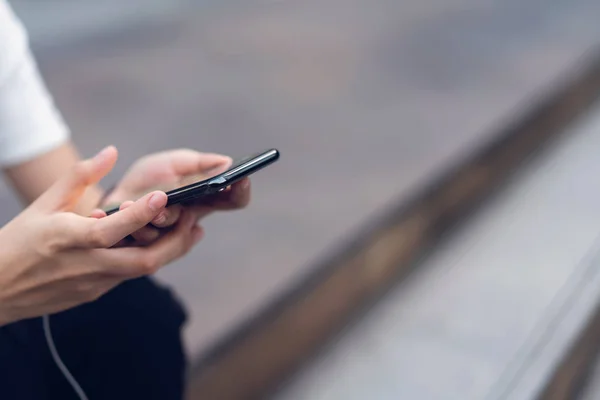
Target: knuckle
(47,249)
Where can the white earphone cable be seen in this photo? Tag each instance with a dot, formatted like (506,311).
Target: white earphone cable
(59,362)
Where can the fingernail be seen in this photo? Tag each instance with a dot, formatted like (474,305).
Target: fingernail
(157,201)
(246,184)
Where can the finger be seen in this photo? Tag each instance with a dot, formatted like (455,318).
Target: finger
(201,212)
(66,193)
(108,231)
(168,217)
(138,261)
(197,233)
(176,243)
(98,213)
(129,239)
(146,235)
(126,204)
(187,162)
(240,194)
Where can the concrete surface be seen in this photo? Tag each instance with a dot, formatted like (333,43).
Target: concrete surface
(367,100)
(591,389)
(492,312)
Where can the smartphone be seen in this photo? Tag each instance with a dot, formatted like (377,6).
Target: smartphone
(220,182)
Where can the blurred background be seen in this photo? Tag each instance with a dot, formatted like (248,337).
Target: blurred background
(367,100)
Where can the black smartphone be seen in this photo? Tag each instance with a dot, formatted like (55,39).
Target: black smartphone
(206,187)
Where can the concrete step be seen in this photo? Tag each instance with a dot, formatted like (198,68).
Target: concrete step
(590,390)
(494,311)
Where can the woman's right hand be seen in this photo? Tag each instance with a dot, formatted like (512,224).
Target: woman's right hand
(52,259)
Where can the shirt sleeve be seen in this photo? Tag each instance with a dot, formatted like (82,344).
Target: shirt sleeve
(30,124)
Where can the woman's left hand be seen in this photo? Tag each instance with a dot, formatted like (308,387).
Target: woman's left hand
(168,170)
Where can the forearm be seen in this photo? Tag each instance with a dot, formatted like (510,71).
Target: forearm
(34,177)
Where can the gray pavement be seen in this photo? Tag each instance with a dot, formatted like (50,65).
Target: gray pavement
(591,388)
(367,100)
(491,314)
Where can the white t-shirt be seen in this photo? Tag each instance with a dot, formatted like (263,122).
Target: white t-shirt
(30,124)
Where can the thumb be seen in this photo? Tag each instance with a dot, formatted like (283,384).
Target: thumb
(66,192)
(190,162)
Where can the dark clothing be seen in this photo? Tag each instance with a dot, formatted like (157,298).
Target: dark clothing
(126,345)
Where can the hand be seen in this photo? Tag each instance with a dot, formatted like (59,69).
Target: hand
(52,259)
(171,169)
